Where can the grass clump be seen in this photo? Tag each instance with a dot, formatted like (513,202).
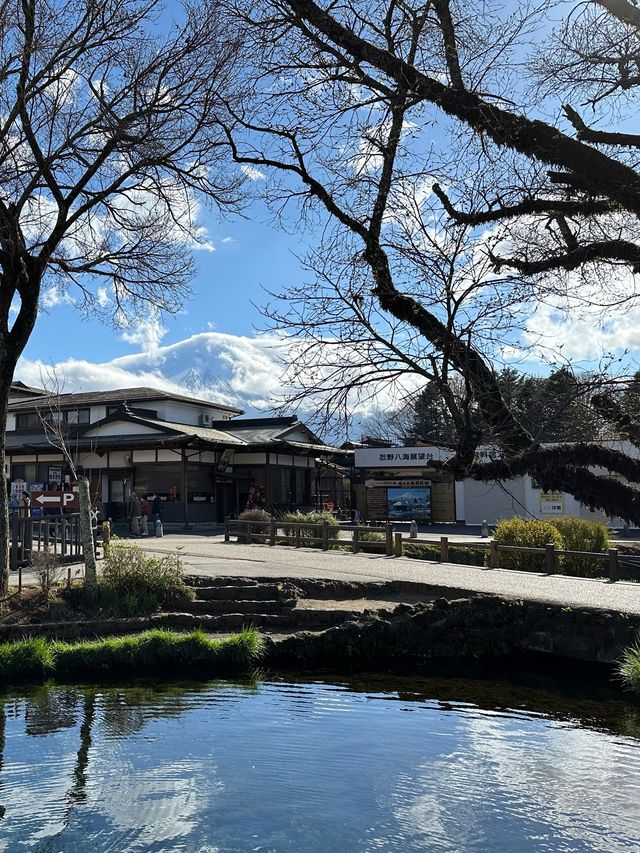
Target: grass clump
(133,582)
(310,537)
(30,658)
(629,668)
(259,518)
(151,652)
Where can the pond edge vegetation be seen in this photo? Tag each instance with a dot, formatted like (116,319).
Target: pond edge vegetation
(150,652)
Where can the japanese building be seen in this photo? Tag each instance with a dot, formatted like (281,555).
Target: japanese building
(202,459)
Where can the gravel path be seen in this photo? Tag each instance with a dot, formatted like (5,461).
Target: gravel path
(210,555)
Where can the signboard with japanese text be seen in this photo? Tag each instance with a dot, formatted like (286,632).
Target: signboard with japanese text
(552,503)
(411,457)
(404,483)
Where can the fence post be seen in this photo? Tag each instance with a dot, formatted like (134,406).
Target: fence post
(297,542)
(614,574)
(249,533)
(550,558)
(389,543)
(15,533)
(325,535)
(398,544)
(444,549)
(355,542)
(106,538)
(272,531)
(494,556)
(227,529)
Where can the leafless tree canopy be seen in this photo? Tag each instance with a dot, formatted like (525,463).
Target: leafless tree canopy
(459,161)
(109,142)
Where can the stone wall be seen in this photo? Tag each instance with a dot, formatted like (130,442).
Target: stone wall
(481,627)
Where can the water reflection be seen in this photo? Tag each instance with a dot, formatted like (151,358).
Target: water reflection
(365,764)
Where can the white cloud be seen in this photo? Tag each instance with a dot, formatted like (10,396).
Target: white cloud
(252,173)
(146,333)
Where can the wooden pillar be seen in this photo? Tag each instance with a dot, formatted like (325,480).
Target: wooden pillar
(268,490)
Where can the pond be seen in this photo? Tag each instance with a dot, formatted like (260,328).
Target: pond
(361,764)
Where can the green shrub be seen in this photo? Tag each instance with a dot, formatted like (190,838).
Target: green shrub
(582,535)
(365,535)
(307,534)
(133,582)
(260,522)
(464,556)
(527,533)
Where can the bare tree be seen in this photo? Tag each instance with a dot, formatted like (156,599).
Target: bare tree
(60,435)
(402,127)
(108,144)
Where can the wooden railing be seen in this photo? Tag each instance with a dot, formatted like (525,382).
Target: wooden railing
(277,532)
(550,553)
(56,534)
(299,533)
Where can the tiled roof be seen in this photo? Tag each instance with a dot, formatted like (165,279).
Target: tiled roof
(120,395)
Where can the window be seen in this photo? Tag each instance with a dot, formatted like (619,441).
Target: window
(78,416)
(27,420)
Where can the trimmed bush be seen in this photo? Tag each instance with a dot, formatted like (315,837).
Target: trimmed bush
(307,534)
(133,582)
(527,533)
(582,535)
(366,536)
(137,654)
(260,522)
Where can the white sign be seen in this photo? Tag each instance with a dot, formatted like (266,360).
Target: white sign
(404,483)
(551,503)
(412,457)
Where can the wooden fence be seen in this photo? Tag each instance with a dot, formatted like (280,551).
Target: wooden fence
(299,533)
(58,535)
(291,533)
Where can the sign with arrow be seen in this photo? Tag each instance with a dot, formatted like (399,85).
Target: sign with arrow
(55,500)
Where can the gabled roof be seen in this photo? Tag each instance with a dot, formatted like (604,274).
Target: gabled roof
(269,430)
(215,436)
(120,395)
(22,390)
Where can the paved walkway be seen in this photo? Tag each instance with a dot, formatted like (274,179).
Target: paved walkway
(210,555)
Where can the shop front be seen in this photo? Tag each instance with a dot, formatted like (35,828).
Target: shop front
(403,484)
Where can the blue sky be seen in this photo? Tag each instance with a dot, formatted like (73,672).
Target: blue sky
(217,332)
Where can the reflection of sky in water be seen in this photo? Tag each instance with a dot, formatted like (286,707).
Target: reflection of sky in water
(306,768)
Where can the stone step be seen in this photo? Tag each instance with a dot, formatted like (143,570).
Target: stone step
(250,607)
(258,592)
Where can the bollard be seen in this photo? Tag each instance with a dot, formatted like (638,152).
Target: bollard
(135,526)
(485,529)
(159,531)
(398,544)
(413,530)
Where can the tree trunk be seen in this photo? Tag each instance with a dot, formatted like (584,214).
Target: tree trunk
(5,531)
(86,534)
